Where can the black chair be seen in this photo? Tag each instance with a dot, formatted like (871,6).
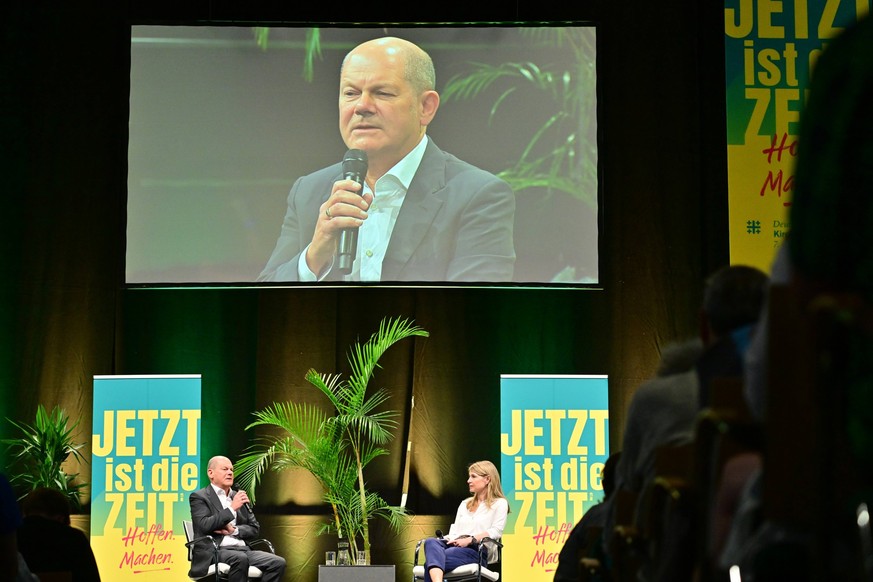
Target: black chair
(489,548)
(218,570)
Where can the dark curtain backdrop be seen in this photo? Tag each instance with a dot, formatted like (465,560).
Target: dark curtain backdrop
(66,317)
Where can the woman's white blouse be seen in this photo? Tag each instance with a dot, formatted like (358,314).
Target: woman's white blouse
(491,519)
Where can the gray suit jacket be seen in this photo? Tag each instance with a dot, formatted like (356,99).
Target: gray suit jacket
(455,224)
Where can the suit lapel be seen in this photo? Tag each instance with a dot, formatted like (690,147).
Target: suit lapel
(419,209)
(213,499)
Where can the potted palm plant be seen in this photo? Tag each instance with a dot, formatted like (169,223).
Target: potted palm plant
(39,453)
(335,447)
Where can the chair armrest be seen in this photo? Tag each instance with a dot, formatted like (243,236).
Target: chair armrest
(262,544)
(200,539)
(484,545)
(417,547)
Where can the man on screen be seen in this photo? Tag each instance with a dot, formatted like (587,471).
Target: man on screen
(225,514)
(422,214)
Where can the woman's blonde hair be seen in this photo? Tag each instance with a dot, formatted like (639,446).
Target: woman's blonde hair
(493,490)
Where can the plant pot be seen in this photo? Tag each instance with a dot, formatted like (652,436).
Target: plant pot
(356,573)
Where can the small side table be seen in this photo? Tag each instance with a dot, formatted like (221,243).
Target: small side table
(355,573)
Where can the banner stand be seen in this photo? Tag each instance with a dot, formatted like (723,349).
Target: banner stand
(554,441)
(145,463)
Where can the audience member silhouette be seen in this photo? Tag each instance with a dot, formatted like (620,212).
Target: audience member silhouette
(12,564)
(826,265)
(661,413)
(583,539)
(732,305)
(736,510)
(831,239)
(49,543)
(663,410)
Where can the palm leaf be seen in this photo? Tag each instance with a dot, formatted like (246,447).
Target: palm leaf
(312,49)
(40,451)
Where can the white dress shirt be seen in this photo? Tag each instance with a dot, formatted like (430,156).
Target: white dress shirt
(375,233)
(231,540)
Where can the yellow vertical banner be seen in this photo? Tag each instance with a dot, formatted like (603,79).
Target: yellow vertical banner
(770,51)
(145,462)
(554,440)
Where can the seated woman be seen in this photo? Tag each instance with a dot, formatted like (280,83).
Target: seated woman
(482,515)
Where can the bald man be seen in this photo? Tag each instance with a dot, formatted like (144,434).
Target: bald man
(422,214)
(227,517)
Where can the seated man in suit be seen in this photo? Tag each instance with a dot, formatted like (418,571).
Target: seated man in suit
(227,516)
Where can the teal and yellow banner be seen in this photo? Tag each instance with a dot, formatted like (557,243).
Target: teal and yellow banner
(145,462)
(554,440)
(771,47)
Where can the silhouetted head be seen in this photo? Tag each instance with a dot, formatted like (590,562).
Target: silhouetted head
(732,298)
(607,475)
(48,503)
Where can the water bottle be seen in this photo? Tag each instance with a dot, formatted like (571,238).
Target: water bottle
(342,553)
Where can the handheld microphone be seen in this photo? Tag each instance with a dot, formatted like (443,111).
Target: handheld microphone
(354,168)
(439,534)
(235,488)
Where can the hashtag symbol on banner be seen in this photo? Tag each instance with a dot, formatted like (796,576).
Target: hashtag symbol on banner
(753,227)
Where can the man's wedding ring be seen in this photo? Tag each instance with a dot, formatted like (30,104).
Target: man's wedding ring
(327,213)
